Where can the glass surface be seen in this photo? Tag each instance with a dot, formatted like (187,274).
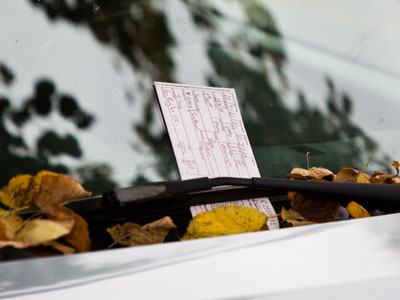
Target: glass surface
(76,81)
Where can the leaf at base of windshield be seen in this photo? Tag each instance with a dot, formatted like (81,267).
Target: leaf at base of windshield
(226,220)
(131,234)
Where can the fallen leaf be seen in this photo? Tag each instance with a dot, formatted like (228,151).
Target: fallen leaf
(18,192)
(47,191)
(57,190)
(352,175)
(363,178)
(79,237)
(9,226)
(293,218)
(314,208)
(356,210)
(132,234)
(225,220)
(37,231)
(395,180)
(314,173)
(23,189)
(384,178)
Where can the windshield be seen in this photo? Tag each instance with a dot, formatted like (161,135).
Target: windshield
(76,84)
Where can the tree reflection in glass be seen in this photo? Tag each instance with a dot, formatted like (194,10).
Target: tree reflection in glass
(245,51)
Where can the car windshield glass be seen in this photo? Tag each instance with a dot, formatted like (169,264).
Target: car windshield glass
(76,80)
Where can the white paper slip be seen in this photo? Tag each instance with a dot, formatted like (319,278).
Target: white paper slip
(209,138)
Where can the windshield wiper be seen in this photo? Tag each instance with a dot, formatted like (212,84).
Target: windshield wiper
(169,196)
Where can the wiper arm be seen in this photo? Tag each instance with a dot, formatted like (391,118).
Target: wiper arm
(172,195)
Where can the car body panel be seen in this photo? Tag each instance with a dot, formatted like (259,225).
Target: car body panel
(329,259)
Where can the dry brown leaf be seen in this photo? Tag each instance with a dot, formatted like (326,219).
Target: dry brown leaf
(225,220)
(356,210)
(46,191)
(56,190)
(395,180)
(383,178)
(314,173)
(293,218)
(312,208)
(298,173)
(352,175)
(79,237)
(132,234)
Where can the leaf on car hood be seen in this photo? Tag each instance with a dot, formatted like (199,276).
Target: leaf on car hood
(385,178)
(225,220)
(37,231)
(57,190)
(294,218)
(9,226)
(47,191)
(352,175)
(314,208)
(132,234)
(356,210)
(314,173)
(23,189)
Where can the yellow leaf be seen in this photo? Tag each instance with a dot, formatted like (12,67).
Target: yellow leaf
(56,189)
(356,210)
(23,189)
(10,225)
(132,234)
(363,178)
(18,192)
(38,231)
(225,220)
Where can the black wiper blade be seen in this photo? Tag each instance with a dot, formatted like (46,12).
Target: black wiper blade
(172,195)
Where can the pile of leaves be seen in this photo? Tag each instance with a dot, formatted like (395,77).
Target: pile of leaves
(309,209)
(55,228)
(46,192)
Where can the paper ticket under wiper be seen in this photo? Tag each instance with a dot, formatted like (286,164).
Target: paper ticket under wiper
(209,139)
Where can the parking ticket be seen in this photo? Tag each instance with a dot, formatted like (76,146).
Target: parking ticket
(209,139)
